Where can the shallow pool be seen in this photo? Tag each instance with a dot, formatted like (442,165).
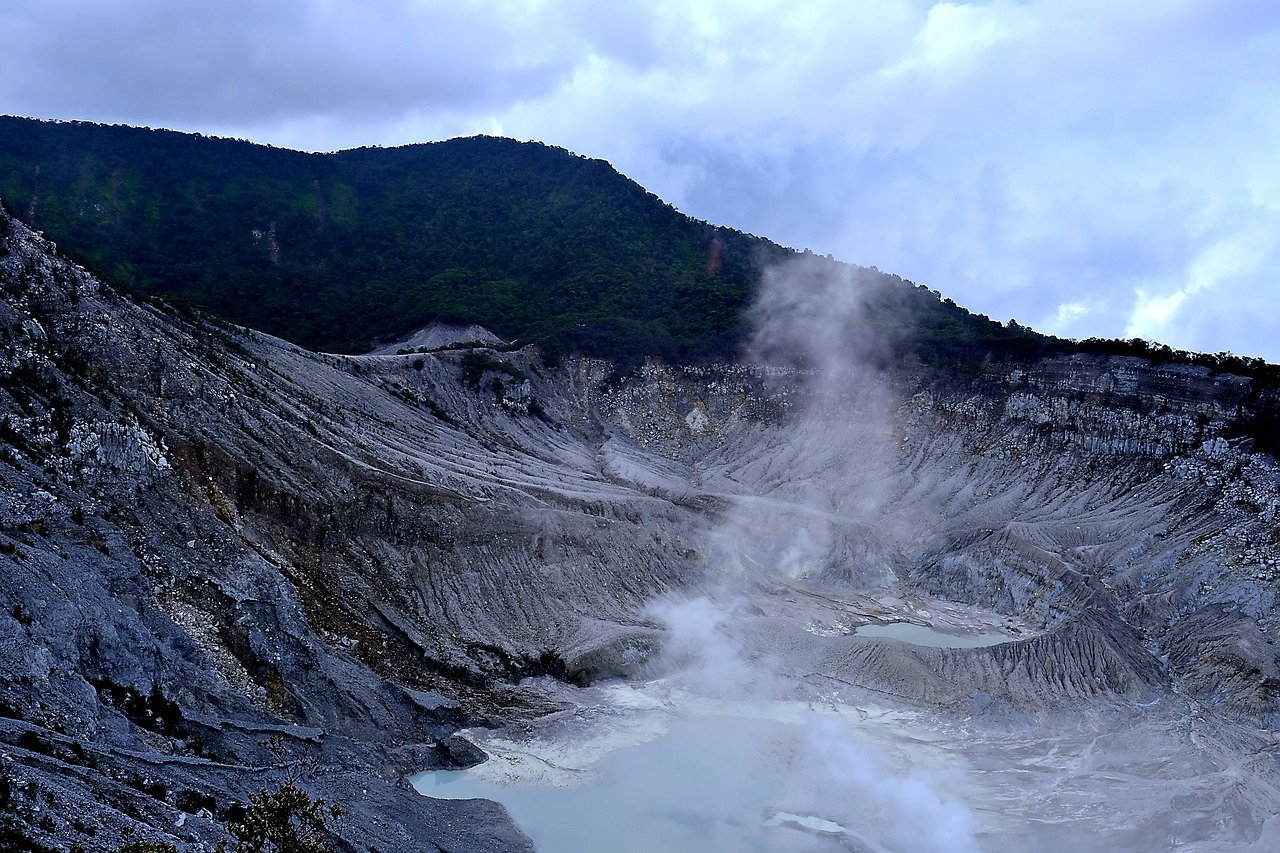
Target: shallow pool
(923,635)
(714,783)
(706,785)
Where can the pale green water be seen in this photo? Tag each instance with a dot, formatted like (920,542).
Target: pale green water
(922,635)
(710,784)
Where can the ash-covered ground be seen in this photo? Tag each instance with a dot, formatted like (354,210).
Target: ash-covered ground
(229,562)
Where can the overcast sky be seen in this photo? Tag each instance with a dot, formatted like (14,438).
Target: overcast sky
(1088,167)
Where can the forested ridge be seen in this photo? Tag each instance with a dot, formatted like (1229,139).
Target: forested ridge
(336,251)
(333,251)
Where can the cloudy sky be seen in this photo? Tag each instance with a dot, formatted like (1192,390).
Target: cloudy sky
(1088,167)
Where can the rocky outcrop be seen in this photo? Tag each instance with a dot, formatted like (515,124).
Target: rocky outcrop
(161,662)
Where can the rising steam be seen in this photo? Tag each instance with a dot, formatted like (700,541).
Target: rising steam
(817,505)
(821,506)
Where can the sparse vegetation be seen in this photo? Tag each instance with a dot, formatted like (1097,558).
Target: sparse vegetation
(147,847)
(16,814)
(153,711)
(284,821)
(476,364)
(439,412)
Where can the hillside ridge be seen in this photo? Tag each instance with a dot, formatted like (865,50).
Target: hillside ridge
(340,251)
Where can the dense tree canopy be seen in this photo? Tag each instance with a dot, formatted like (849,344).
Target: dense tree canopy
(335,251)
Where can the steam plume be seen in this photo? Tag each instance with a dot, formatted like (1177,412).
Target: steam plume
(817,505)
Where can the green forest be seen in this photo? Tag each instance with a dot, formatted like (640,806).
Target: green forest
(338,251)
(335,251)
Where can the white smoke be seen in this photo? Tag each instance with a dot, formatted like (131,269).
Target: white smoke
(818,496)
(816,502)
(831,774)
(701,649)
(912,812)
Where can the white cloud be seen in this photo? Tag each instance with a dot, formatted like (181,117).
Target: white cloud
(952,39)
(1018,156)
(1065,319)
(1233,263)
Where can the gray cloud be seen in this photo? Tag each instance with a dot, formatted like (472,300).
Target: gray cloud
(1089,167)
(239,62)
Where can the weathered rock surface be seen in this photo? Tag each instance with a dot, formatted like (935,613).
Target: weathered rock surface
(228,561)
(440,336)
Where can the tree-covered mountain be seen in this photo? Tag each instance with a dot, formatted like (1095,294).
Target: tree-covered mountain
(333,251)
(336,251)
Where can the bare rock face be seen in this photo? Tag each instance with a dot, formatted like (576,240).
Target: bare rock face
(160,664)
(440,336)
(229,561)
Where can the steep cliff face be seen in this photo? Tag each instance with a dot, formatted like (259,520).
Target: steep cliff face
(228,560)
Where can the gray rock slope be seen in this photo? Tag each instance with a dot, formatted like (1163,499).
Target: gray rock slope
(228,562)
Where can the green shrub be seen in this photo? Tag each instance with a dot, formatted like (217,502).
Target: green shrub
(147,847)
(283,821)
